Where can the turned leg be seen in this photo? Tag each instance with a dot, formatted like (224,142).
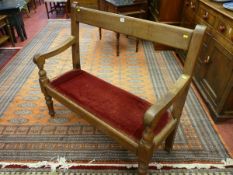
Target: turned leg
(143,167)
(49,103)
(145,152)
(43,80)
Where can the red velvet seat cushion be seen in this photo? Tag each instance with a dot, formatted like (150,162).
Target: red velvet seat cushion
(120,109)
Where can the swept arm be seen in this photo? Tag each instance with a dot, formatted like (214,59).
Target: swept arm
(39,59)
(156,111)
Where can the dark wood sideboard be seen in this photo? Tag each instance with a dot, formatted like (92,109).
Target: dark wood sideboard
(166,11)
(88,3)
(214,71)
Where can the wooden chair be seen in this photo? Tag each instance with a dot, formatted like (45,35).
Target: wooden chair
(135,123)
(138,14)
(5,30)
(56,6)
(125,10)
(26,8)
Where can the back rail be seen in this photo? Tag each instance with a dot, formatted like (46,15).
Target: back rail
(173,36)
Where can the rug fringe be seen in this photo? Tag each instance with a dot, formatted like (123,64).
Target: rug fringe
(62,163)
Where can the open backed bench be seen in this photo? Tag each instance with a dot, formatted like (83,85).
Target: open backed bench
(132,121)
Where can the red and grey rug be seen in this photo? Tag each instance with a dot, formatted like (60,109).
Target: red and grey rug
(6,54)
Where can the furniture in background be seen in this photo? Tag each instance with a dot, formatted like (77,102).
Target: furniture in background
(166,11)
(129,8)
(34,3)
(136,124)
(88,3)
(40,1)
(25,8)
(5,30)
(214,71)
(56,6)
(13,10)
(29,4)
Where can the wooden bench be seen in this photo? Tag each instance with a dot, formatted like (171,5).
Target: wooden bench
(132,121)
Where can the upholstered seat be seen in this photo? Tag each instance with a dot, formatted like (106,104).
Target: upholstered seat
(117,107)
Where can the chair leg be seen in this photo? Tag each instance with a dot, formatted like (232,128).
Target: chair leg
(33,3)
(49,103)
(27,10)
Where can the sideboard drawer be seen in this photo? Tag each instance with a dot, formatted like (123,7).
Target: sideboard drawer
(214,71)
(225,28)
(207,15)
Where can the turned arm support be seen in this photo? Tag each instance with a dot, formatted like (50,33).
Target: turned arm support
(39,59)
(156,111)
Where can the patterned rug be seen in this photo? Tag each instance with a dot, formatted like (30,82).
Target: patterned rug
(6,55)
(28,133)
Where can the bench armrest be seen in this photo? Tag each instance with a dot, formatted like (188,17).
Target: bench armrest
(153,114)
(39,59)
(156,111)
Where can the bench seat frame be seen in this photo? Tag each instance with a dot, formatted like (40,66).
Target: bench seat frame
(173,36)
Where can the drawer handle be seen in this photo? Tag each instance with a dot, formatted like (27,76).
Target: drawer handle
(207,60)
(205,16)
(193,6)
(222,28)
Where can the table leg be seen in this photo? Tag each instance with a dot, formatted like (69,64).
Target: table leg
(67,8)
(137,43)
(13,34)
(10,34)
(34,4)
(46,7)
(22,26)
(118,44)
(100,33)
